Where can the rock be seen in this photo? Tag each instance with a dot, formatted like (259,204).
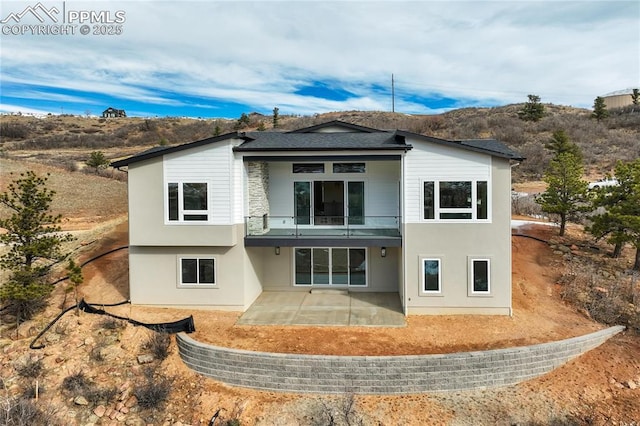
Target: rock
(99,410)
(121,416)
(564,249)
(632,384)
(80,400)
(131,401)
(52,338)
(145,359)
(135,421)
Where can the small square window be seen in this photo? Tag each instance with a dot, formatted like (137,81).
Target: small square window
(197,271)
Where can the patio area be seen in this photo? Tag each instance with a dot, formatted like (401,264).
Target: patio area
(325,308)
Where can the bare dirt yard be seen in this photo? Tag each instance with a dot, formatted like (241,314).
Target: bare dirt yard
(601,387)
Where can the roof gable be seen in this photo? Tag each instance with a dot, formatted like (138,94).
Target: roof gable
(347,127)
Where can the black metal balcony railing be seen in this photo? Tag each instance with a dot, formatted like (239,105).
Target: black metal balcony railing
(322,226)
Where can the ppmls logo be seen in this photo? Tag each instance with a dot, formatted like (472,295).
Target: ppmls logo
(38,11)
(40,20)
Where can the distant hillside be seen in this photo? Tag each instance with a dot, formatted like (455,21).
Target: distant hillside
(603,143)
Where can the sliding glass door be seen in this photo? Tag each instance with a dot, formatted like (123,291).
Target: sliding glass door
(330,266)
(323,202)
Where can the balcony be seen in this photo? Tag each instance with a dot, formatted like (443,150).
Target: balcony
(323,231)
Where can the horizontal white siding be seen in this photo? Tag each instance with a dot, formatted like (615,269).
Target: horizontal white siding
(382,189)
(212,164)
(238,188)
(428,161)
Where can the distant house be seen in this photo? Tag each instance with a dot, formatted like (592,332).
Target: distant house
(618,99)
(113,113)
(217,221)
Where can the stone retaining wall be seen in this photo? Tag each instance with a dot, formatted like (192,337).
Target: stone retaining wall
(383,374)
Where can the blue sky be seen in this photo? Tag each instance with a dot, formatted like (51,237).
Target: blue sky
(223,58)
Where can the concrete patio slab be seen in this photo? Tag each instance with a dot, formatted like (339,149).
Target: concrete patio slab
(325,308)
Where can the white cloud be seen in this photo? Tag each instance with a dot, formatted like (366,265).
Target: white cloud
(259,53)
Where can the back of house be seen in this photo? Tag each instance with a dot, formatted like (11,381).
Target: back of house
(216,222)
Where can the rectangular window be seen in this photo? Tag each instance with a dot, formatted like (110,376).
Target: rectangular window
(480,276)
(429,204)
(173,201)
(431,276)
(330,266)
(308,167)
(349,168)
(187,201)
(455,200)
(482,200)
(197,271)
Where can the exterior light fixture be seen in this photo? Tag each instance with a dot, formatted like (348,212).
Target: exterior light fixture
(277,250)
(383,252)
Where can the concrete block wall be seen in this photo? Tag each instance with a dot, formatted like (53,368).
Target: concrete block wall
(383,374)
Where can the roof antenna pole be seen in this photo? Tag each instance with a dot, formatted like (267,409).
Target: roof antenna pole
(393,95)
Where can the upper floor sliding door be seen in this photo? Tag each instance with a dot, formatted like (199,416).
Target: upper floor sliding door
(324,202)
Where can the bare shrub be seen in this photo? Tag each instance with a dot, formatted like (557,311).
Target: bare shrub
(97,395)
(24,412)
(525,205)
(342,411)
(14,131)
(30,369)
(158,344)
(154,392)
(110,323)
(97,354)
(32,390)
(76,382)
(606,297)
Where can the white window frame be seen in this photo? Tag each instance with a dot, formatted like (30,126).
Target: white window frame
(474,202)
(472,260)
(423,290)
(181,210)
(198,284)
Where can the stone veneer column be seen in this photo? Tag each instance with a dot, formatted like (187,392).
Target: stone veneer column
(258,191)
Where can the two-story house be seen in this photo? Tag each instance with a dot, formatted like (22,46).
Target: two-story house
(215,222)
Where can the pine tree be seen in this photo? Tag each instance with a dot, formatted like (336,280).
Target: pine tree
(533,110)
(276,117)
(635,97)
(566,191)
(560,144)
(620,221)
(599,109)
(34,239)
(97,161)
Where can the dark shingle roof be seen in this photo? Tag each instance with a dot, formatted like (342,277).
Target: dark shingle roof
(494,146)
(356,138)
(270,141)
